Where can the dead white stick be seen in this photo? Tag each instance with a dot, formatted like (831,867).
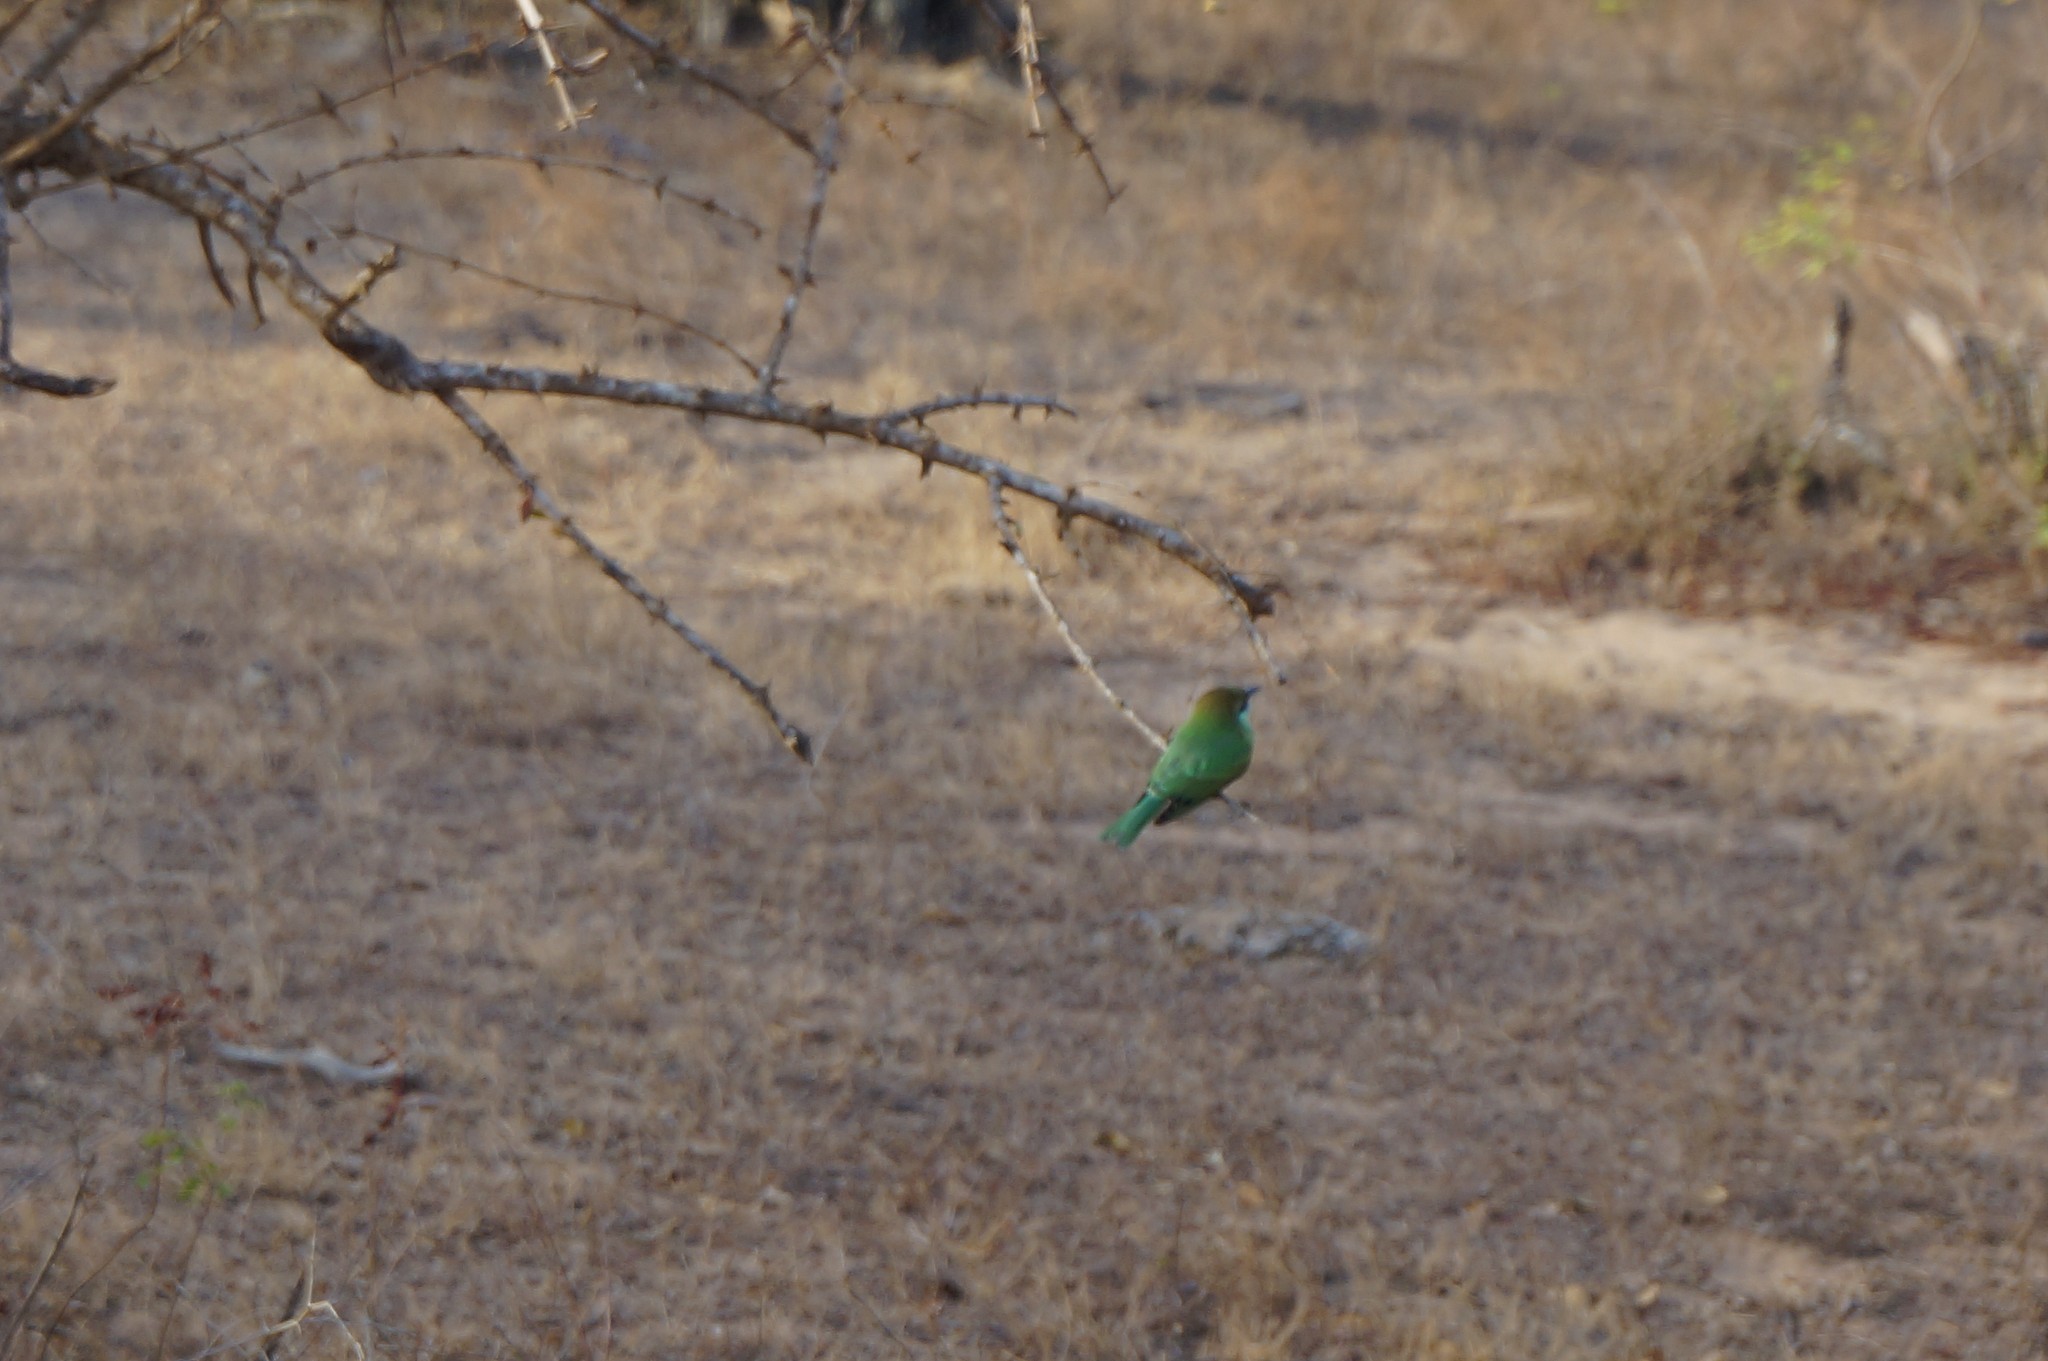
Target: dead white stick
(315,1059)
(1027,58)
(558,79)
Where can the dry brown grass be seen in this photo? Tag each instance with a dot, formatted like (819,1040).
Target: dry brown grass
(1699,1022)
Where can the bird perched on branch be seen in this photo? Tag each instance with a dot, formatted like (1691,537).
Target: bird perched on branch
(1208,751)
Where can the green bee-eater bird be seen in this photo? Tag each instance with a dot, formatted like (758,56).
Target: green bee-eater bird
(1210,750)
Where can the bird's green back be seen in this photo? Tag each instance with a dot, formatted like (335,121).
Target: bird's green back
(1210,750)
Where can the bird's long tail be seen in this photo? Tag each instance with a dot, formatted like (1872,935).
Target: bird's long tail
(1125,829)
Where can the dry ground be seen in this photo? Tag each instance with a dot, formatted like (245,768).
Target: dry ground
(1705,1006)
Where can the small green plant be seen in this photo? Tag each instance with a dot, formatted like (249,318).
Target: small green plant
(1811,225)
(195,1167)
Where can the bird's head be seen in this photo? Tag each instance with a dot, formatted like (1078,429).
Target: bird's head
(1225,701)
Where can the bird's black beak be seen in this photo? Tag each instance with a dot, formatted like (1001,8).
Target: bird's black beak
(1249,691)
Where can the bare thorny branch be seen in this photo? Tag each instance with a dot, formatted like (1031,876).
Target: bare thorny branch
(661,186)
(668,59)
(48,135)
(539,503)
(800,274)
(630,306)
(197,13)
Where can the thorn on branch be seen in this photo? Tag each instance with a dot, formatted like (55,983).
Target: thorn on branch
(213,269)
(1018,402)
(249,278)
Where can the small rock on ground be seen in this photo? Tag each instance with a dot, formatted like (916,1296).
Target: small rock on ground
(1243,934)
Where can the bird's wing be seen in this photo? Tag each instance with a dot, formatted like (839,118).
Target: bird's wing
(1176,809)
(1195,776)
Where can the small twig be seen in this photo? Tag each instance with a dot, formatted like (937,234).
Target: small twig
(1006,530)
(1018,402)
(880,1322)
(255,295)
(320,1308)
(1687,242)
(55,54)
(1940,165)
(668,58)
(372,275)
(539,502)
(301,1307)
(604,1325)
(801,277)
(904,99)
(295,1306)
(639,311)
(6,273)
(78,266)
(547,1237)
(660,185)
(213,269)
(13,373)
(111,84)
(811,62)
(330,106)
(558,80)
(1084,145)
(35,1286)
(14,18)
(315,1059)
(163,1335)
(51,384)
